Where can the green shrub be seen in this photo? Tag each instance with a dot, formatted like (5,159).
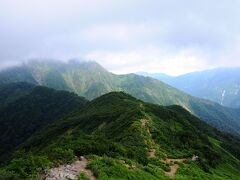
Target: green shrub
(82,176)
(61,155)
(158,163)
(27,166)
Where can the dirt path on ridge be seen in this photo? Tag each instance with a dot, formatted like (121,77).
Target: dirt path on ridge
(174,167)
(172,171)
(144,124)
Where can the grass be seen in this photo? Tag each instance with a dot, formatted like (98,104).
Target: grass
(109,168)
(82,176)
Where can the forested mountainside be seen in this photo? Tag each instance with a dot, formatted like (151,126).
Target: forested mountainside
(90,80)
(32,110)
(123,137)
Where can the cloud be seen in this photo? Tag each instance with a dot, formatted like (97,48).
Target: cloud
(152,59)
(121,32)
(125,36)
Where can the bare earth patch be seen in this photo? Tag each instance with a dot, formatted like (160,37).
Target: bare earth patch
(173,171)
(143,123)
(152,153)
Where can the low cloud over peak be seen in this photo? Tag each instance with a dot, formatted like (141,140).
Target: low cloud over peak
(173,36)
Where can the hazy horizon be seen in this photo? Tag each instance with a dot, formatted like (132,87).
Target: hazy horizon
(144,73)
(173,37)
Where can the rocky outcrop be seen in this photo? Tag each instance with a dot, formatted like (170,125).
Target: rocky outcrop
(70,171)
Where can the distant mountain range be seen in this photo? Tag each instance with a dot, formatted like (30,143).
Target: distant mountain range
(121,137)
(90,80)
(219,85)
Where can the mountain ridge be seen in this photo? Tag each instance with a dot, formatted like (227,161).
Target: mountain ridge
(220,85)
(124,137)
(90,80)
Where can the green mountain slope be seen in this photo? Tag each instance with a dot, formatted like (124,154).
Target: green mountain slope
(31,112)
(126,138)
(220,85)
(90,80)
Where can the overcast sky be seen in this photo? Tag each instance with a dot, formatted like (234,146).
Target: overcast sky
(167,36)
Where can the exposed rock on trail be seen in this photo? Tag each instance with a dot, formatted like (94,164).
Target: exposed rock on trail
(66,172)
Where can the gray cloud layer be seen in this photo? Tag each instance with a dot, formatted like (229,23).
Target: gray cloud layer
(160,36)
